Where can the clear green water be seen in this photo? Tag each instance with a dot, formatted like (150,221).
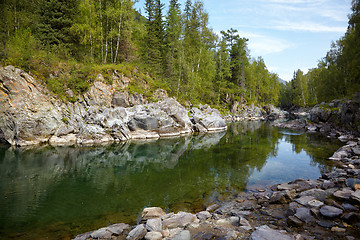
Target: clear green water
(59,192)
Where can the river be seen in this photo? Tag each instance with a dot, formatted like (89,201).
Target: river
(59,192)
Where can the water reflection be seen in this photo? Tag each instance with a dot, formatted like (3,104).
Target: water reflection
(72,190)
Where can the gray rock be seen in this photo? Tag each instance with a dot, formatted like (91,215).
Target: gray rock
(294,221)
(203,215)
(349,207)
(278,197)
(327,184)
(315,203)
(118,229)
(331,212)
(137,233)
(154,224)
(244,224)
(212,208)
(343,194)
(181,219)
(228,221)
(101,233)
(182,235)
(286,186)
(266,233)
(304,215)
(304,200)
(153,236)
(356,196)
(319,194)
(351,182)
(326,224)
(83,236)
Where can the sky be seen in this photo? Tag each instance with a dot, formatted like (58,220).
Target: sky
(287,34)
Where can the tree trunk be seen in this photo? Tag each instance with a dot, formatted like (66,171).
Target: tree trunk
(102,36)
(118,39)
(106,39)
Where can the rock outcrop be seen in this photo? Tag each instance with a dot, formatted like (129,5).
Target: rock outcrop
(30,114)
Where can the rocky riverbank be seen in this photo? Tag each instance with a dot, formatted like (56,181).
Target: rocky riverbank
(326,208)
(31,115)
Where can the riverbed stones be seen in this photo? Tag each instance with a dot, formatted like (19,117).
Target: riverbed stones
(153,236)
(286,186)
(152,212)
(203,215)
(343,194)
(304,215)
(266,233)
(137,233)
(154,224)
(181,219)
(356,196)
(304,200)
(331,212)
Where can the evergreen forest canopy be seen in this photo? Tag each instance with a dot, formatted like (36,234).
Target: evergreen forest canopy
(66,43)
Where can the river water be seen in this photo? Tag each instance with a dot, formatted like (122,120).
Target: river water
(59,192)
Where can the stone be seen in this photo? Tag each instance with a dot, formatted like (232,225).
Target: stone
(153,236)
(203,215)
(315,203)
(244,224)
(137,233)
(304,215)
(83,236)
(353,183)
(212,208)
(349,207)
(154,225)
(356,196)
(101,233)
(181,219)
(286,186)
(331,212)
(326,224)
(338,229)
(266,233)
(118,229)
(351,218)
(343,194)
(294,221)
(327,184)
(182,235)
(304,200)
(278,197)
(152,212)
(319,194)
(228,221)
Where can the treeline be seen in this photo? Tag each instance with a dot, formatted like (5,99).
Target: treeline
(176,47)
(337,75)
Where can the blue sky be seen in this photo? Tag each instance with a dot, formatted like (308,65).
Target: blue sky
(288,34)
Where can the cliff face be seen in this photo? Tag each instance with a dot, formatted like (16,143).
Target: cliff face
(105,113)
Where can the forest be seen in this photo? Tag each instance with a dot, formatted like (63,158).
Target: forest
(67,43)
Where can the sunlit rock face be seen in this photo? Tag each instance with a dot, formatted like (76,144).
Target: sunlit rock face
(31,115)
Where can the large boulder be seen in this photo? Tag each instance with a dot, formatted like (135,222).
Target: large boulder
(207,119)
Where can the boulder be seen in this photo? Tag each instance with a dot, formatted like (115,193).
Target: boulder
(180,219)
(152,212)
(137,233)
(266,233)
(331,212)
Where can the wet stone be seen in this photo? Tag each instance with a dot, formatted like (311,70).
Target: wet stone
(304,215)
(286,186)
(315,203)
(351,218)
(304,200)
(327,184)
(344,194)
(203,215)
(319,194)
(349,207)
(294,221)
(356,196)
(266,233)
(137,233)
(326,224)
(330,211)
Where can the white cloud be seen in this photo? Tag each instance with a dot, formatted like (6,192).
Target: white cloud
(261,45)
(307,26)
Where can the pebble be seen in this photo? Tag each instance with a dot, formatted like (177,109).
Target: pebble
(331,212)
